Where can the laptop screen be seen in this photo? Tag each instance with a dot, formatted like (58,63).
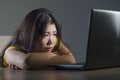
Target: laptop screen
(104,39)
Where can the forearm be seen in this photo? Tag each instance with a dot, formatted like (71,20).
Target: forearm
(41,60)
(16,58)
(38,60)
(27,61)
(62,59)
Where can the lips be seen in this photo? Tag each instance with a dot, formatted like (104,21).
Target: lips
(49,48)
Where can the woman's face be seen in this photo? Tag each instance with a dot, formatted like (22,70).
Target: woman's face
(48,41)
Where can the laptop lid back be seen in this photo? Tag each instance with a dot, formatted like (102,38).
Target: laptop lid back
(104,39)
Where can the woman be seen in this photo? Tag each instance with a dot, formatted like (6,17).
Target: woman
(37,43)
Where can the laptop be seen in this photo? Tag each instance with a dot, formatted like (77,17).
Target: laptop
(103,46)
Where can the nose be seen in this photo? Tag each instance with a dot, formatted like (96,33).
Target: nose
(50,41)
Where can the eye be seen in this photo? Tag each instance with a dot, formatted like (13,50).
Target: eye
(55,34)
(45,35)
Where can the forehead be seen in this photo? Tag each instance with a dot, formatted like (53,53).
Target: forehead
(50,27)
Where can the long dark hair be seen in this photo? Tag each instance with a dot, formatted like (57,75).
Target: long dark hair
(32,28)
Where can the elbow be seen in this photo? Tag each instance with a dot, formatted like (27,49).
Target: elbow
(72,61)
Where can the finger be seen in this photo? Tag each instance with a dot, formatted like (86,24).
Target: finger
(15,67)
(9,66)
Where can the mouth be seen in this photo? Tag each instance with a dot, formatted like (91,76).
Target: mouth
(49,49)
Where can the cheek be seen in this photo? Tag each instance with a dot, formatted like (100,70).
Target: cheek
(44,42)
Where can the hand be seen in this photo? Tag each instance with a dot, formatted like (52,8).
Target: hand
(13,67)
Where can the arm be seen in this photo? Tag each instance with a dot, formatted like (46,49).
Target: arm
(39,60)
(27,61)
(15,58)
(65,54)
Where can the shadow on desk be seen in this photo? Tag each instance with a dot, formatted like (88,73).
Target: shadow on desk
(102,74)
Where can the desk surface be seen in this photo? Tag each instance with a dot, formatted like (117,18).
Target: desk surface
(101,74)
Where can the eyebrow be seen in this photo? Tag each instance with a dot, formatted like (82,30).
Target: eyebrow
(53,32)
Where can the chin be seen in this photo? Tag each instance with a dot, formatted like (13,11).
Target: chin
(48,50)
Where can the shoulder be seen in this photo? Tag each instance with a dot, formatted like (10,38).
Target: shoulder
(17,48)
(11,47)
